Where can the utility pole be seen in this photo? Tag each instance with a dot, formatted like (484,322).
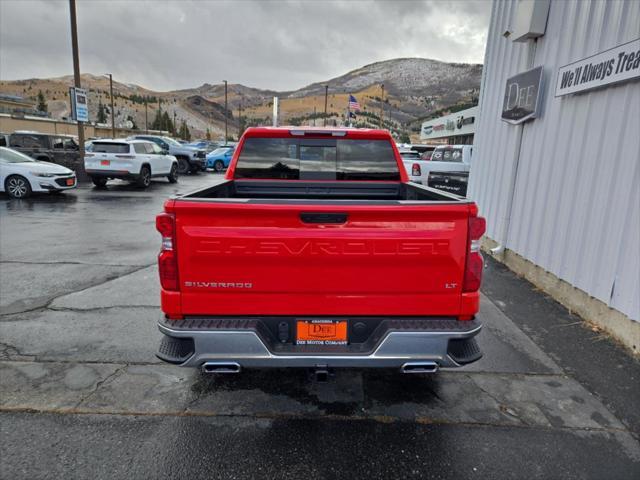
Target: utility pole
(146,115)
(226,114)
(113,122)
(76,81)
(240,120)
(326,94)
(314,115)
(382,107)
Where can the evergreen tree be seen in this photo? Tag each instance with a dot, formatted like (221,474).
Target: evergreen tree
(208,134)
(167,124)
(42,104)
(184,132)
(102,115)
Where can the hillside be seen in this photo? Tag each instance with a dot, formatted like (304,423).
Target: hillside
(414,88)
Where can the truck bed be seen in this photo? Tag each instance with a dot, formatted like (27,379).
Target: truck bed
(309,192)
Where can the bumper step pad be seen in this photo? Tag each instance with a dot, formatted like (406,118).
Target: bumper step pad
(175,350)
(464,350)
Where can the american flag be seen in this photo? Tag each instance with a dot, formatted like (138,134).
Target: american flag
(353,103)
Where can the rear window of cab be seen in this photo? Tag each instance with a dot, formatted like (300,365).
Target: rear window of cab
(317,159)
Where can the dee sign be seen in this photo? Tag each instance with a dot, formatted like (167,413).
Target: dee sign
(522,96)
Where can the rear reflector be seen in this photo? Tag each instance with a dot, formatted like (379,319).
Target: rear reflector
(475,262)
(167,260)
(477,227)
(473,273)
(168,268)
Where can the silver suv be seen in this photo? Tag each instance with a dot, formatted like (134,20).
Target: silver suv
(190,159)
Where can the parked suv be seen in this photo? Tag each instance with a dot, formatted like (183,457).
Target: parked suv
(46,147)
(190,159)
(135,160)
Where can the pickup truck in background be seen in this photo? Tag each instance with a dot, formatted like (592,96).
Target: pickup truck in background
(448,169)
(315,251)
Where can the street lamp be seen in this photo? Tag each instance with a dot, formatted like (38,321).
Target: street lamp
(113,123)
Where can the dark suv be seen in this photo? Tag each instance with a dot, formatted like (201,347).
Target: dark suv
(60,149)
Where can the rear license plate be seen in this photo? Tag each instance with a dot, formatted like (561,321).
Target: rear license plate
(321,332)
(105,162)
(69,182)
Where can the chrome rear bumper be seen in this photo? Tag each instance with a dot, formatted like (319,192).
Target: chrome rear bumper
(445,342)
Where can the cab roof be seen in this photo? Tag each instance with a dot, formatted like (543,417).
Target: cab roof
(295,132)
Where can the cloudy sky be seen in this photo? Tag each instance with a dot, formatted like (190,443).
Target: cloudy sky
(273,44)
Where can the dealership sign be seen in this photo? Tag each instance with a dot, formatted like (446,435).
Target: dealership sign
(79,104)
(459,123)
(522,96)
(615,65)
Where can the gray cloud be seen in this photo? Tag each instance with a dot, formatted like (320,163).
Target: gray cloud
(266,44)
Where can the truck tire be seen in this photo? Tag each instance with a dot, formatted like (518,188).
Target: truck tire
(173,174)
(99,182)
(144,178)
(218,166)
(17,186)
(183,166)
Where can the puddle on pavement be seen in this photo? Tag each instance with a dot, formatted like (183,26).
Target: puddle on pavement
(347,392)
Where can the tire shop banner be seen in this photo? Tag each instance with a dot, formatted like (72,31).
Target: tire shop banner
(617,64)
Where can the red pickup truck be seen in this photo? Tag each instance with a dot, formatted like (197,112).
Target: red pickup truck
(315,251)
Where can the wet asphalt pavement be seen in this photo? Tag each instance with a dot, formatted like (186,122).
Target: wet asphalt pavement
(83,396)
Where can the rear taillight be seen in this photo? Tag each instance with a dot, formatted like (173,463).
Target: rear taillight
(475,264)
(167,259)
(416,171)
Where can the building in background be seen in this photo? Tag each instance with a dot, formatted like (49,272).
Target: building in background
(561,190)
(453,129)
(15,105)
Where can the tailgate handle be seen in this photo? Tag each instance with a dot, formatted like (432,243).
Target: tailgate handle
(323,217)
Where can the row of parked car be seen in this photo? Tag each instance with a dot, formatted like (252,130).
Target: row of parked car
(445,167)
(26,158)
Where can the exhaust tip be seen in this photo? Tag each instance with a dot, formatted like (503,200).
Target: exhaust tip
(420,367)
(221,367)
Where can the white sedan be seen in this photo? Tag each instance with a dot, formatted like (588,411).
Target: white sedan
(20,175)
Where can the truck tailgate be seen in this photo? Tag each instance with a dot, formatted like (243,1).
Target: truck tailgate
(294,259)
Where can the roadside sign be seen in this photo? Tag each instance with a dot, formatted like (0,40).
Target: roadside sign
(615,65)
(522,96)
(79,104)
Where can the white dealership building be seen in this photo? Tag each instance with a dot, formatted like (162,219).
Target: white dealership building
(453,129)
(556,168)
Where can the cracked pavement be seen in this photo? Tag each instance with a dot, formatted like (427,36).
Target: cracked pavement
(83,395)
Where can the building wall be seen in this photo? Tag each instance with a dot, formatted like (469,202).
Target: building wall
(574,193)
(9,124)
